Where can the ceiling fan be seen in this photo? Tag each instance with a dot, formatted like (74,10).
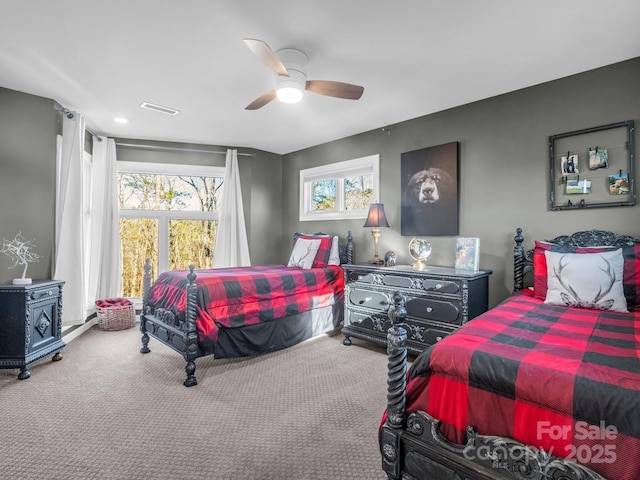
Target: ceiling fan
(289,67)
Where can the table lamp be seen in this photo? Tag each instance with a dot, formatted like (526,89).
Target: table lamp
(376,219)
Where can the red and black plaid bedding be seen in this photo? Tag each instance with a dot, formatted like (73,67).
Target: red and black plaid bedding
(235,297)
(559,378)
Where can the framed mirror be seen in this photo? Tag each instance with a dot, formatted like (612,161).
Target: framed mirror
(594,167)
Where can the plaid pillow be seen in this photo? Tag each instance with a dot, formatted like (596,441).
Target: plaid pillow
(631,275)
(324,251)
(540,262)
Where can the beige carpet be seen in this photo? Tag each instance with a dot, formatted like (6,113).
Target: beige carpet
(108,412)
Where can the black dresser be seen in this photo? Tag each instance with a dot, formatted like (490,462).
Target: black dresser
(438,301)
(30,324)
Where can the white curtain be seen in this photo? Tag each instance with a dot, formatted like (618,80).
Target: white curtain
(231,248)
(70,221)
(105,279)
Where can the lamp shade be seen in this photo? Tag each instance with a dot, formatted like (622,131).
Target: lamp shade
(376,217)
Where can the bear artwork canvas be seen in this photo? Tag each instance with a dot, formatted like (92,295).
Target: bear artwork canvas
(429,188)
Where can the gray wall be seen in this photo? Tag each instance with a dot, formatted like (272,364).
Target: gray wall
(503,168)
(28,128)
(503,172)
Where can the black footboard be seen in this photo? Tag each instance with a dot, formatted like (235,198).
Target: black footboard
(164,326)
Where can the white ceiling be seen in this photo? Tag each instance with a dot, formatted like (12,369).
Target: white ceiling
(413,57)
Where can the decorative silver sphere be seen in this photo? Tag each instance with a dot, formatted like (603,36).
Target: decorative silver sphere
(420,250)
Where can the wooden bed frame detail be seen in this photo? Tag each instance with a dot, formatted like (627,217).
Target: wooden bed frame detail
(181,335)
(413,448)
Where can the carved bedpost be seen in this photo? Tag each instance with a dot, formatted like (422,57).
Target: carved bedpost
(191,350)
(396,388)
(146,286)
(518,261)
(349,248)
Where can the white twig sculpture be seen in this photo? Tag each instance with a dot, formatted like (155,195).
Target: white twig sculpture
(18,250)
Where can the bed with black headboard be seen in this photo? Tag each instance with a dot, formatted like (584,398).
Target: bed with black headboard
(546,385)
(245,311)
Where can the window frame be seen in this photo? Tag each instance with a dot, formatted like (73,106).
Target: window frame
(337,171)
(165,216)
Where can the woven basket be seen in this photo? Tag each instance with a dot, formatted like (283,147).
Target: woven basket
(115,314)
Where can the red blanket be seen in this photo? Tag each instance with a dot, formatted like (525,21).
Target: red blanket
(234,297)
(559,378)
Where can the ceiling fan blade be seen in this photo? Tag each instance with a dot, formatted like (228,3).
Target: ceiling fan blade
(261,101)
(335,89)
(268,57)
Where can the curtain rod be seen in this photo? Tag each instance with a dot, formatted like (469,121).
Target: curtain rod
(179,149)
(69,114)
(95,135)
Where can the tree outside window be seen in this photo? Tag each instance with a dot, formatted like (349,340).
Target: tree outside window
(170,219)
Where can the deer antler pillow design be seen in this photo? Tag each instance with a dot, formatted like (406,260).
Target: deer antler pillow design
(304,251)
(592,280)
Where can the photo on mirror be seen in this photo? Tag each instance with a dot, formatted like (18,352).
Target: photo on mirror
(619,184)
(575,187)
(598,158)
(569,165)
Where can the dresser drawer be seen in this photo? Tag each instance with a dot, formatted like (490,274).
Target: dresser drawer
(404,280)
(375,322)
(374,328)
(372,299)
(441,286)
(430,309)
(44,293)
(424,335)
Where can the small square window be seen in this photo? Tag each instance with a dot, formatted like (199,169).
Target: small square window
(339,190)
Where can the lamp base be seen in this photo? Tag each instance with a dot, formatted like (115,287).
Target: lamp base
(376,261)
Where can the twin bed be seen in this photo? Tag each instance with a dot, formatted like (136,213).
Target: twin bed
(235,312)
(544,386)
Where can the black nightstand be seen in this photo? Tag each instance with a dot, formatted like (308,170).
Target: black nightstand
(30,324)
(438,301)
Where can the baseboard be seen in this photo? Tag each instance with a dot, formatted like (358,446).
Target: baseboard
(75,331)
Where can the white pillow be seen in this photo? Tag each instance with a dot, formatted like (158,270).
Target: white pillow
(334,256)
(304,252)
(586,280)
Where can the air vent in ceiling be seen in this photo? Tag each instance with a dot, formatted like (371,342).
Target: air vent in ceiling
(160,108)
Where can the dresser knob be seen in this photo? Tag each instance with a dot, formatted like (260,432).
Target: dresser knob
(438,339)
(429,309)
(49,293)
(438,285)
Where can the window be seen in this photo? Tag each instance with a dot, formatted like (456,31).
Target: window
(169,214)
(339,190)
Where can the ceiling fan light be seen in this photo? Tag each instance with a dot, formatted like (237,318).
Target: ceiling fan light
(289,94)
(291,89)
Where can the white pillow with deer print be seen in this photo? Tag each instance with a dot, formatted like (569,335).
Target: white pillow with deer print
(304,251)
(586,280)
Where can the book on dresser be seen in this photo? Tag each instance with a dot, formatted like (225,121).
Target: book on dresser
(467,253)
(438,301)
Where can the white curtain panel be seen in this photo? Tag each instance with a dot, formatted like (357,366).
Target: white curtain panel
(105,266)
(231,248)
(70,221)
